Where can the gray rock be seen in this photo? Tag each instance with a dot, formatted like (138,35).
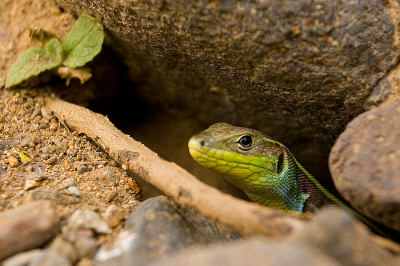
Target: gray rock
(338,234)
(37,258)
(27,227)
(155,229)
(251,252)
(88,219)
(365,164)
(299,70)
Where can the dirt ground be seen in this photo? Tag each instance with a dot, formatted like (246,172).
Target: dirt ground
(63,166)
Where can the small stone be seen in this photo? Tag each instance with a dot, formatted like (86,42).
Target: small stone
(24,142)
(72,190)
(107,176)
(63,147)
(30,184)
(113,216)
(66,164)
(38,177)
(86,247)
(47,150)
(13,161)
(45,112)
(65,248)
(68,182)
(53,126)
(27,227)
(53,159)
(110,195)
(82,168)
(71,145)
(88,219)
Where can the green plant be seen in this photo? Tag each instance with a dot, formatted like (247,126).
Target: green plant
(80,46)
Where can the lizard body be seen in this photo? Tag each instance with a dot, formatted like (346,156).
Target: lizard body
(263,168)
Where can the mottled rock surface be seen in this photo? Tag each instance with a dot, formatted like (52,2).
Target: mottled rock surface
(155,229)
(251,252)
(37,257)
(27,227)
(365,164)
(296,70)
(338,234)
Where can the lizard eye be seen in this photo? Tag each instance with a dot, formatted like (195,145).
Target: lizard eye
(246,142)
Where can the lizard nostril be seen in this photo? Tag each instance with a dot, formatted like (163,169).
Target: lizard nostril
(202,143)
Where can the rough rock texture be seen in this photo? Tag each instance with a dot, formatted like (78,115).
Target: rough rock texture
(297,70)
(27,227)
(155,229)
(251,252)
(37,257)
(365,164)
(338,234)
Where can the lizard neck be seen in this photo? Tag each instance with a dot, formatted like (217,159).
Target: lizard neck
(279,191)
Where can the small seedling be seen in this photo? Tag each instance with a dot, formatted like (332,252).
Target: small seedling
(79,47)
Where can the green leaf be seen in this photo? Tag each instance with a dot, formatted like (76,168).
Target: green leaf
(35,61)
(83,42)
(55,51)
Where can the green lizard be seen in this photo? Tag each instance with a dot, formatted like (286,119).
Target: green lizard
(263,168)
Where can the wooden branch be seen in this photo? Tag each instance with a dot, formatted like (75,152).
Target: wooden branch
(244,217)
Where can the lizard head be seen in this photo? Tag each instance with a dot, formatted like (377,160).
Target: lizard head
(244,156)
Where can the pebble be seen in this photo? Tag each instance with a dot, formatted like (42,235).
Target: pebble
(88,219)
(27,227)
(38,177)
(82,168)
(13,161)
(113,216)
(86,247)
(65,248)
(68,182)
(53,126)
(66,164)
(52,159)
(110,195)
(108,176)
(72,190)
(365,167)
(30,184)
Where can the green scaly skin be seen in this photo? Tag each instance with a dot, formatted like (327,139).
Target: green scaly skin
(263,168)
